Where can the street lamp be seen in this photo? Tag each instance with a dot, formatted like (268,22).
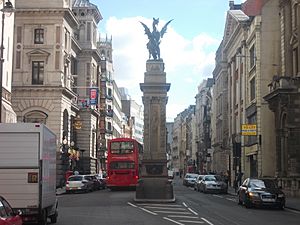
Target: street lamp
(7,9)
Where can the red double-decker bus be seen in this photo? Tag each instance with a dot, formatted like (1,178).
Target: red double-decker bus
(123,162)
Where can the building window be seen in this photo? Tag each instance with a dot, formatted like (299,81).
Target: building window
(252,57)
(37,72)
(252,89)
(39,36)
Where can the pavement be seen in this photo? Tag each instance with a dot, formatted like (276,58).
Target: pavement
(290,202)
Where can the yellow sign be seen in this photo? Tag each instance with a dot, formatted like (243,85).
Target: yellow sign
(249,129)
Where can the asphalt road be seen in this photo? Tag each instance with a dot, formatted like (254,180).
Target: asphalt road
(191,207)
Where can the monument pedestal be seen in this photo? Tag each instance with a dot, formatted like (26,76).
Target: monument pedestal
(154,185)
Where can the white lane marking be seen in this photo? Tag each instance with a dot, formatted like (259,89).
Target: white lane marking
(141,208)
(193,211)
(190,221)
(207,221)
(153,213)
(131,204)
(149,204)
(184,204)
(219,196)
(181,216)
(182,213)
(156,207)
(166,218)
(232,199)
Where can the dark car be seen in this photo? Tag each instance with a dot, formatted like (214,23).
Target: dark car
(7,215)
(213,184)
(102,181)
(261,192)
(189,179)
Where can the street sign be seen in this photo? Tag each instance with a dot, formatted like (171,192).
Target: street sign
(249,130)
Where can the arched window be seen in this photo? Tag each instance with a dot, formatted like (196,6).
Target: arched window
(35,117)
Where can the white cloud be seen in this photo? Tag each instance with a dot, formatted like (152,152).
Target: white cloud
(187,62)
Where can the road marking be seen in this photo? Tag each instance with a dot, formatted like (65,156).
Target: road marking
(181,216)
(182,213)
(190,221)
(166,218)
(153,213)
(150,204)
(193,211)
(184,204)
(156,207)
(131,204)
(232,199)
(219,196)
(207,221)
(141,208)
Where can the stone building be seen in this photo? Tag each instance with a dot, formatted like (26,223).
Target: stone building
(55,71)
(203,126)
(284,98)
(249,50)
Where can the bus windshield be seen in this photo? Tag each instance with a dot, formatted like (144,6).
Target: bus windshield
(122,147)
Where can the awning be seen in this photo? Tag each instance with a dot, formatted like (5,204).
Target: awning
(8,114)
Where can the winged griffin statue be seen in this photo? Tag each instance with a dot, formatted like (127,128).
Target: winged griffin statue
(154,38)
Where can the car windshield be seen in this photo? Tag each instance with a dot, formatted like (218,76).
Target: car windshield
(210,178)
(263,184)
(75,178)
(191,176)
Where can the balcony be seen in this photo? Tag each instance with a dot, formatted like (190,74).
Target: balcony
(280,88)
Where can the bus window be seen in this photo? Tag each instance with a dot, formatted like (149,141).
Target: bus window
(121,165)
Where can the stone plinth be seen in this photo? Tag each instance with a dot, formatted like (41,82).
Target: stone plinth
(154,185)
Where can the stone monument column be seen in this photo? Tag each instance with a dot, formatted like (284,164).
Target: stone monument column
(154,185)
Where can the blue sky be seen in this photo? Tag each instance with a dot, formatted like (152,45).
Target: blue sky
(187,49)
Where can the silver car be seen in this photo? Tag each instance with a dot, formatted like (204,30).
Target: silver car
(213,183)
(76,183)
(189,179)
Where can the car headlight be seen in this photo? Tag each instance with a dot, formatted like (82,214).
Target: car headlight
(253,194)
(280,195)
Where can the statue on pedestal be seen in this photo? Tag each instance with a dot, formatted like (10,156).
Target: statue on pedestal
(154,38)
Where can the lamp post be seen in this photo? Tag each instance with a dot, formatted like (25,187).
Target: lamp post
(7,8)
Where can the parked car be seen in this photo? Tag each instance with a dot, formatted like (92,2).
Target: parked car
(76,183)
(213,183)
(101,181)
(7,215)
(261,192)
(189,179)
(197,182)
(170,174)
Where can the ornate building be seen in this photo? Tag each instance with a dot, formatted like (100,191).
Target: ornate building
(284,98)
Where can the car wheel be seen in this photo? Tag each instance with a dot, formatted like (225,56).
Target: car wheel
(53,218)
(282,207)
(43,218)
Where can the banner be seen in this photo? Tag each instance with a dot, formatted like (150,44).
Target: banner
(93,96)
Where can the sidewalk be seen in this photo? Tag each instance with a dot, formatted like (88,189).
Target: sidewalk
(60,191)
(291,202)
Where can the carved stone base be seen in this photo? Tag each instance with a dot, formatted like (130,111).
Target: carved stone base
(154,189)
